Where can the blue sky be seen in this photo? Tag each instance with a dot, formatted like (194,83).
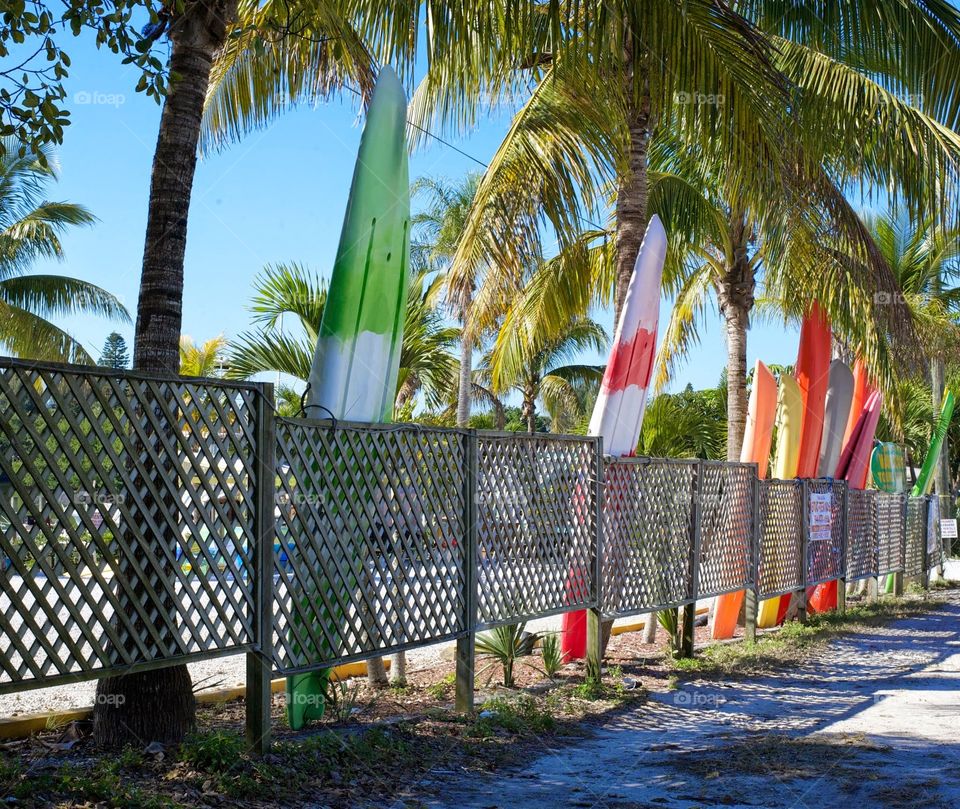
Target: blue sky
(278,195)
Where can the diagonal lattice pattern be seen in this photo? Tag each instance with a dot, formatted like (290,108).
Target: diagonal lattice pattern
(891,513)
(936,552)
(915,543)
(826,534)
(536,526)
(371,541)
(127,515)
(861,534)
(726,527)
(780,563)
(648,535)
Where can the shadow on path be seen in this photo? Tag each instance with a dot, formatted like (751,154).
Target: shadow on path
(874,719)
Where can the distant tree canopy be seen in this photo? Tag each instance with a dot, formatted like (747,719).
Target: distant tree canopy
(115,353)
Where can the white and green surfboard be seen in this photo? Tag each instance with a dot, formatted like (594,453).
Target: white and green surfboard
(357,358)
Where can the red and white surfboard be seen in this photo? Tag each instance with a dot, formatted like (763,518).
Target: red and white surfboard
(618,412)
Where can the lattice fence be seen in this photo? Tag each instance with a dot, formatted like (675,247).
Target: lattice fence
(826,530)
(861,534)
(726,527)
(780,560)
(537,511)
(648,535)
(126,521)
(890,532)
(370,555)
(915,542)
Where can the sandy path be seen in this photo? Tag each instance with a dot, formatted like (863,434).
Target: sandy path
(873,720)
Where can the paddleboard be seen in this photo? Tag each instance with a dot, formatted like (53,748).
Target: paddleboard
(812,374)
(757,435)
(357,357)
(836,414)
(618,412)
(861,390)
(924,482)
(789,424)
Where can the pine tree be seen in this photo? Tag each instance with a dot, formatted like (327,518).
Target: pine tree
(115,354)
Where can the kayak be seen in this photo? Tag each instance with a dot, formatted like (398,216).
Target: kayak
(618,412)
(357,357)
(812,373)
(757,436)
(924,482)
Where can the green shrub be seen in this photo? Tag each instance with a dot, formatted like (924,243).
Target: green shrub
(212,752)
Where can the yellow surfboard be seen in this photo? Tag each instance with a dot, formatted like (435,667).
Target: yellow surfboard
(789,422)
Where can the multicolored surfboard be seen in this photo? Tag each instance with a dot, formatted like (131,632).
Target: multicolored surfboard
(618,412)
(757,436)
(357,358)
(789,422)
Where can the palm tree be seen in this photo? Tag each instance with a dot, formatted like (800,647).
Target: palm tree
(439,226)
(31,228)
(925,257)
(546,375)
(426,365)
(689,424)
(205,359)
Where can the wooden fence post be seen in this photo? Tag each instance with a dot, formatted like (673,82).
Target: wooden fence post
(259,660)
(844,549)
(750,602)
(466,643)
(594,661)
(804,549)
(689,611)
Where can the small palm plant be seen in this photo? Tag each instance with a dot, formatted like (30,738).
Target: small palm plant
(550,653)
(507,644)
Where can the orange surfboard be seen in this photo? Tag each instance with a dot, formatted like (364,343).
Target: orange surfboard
(812,374)
(861,391)
(757,436)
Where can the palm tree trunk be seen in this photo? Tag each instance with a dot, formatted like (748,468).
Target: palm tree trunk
(735,299)
(159,705)
(529,407)
(464,388)
(632,188)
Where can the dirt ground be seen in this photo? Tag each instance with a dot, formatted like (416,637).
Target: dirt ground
(871,719)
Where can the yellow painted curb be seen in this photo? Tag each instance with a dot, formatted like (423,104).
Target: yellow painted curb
(619,630)
(18,727)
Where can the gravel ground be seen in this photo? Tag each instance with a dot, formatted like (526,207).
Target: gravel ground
(871,720)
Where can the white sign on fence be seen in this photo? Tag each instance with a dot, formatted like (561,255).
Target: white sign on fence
(948,529)
(821,517)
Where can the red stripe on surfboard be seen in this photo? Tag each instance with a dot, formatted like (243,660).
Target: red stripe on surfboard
(631,362)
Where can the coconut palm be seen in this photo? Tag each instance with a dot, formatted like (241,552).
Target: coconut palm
(293,290)
(565,389)
(689,424)
(925,257)
(31,228)
(438,226)
(203,359)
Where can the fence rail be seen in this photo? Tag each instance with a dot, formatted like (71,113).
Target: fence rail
(140,527)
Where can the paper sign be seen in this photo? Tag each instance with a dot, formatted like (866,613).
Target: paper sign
(948,529)
(821,517)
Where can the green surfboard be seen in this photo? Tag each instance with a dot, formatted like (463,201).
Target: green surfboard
(925,479)
(357,358)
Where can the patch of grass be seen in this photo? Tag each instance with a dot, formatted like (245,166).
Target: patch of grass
(443,689)
(520,716)
(794,640)
(944,584)
(212,752)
